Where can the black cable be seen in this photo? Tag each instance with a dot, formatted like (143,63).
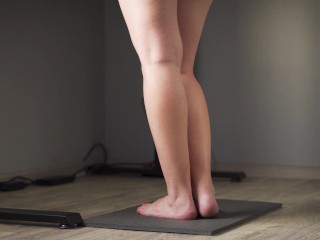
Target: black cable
(15,183)
(85,169)
(105,152)
(19,182)
(82,170)
(19,178)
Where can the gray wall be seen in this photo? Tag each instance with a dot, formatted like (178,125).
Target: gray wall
(260,70)
(258,63)
(69,77)
(51,82)
(128,137)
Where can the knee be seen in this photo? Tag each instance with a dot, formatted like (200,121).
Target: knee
(162,55)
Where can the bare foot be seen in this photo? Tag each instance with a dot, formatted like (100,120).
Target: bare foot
(180,208)
(205,200)
(207,206)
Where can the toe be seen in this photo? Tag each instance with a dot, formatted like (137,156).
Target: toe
(142,209)
(139,210)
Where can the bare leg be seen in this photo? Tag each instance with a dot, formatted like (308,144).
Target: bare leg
(154,31)
(191,17)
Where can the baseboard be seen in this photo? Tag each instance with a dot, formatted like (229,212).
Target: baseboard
(251,170)
(273,171)
(66,169)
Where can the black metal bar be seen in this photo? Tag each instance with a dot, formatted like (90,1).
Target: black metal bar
(65,219)
(234,176)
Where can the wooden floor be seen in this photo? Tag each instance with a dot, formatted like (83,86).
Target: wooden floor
(93,195)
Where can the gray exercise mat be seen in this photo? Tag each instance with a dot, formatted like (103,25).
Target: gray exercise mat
(232,213)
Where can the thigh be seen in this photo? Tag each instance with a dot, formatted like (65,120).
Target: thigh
(153,28)
(191,18)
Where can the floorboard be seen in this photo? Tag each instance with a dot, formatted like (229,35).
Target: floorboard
(95,195)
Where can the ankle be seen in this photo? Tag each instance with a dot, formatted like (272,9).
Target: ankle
(180,199)
(203,186)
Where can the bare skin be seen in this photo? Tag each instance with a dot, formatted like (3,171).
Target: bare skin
(165,34)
